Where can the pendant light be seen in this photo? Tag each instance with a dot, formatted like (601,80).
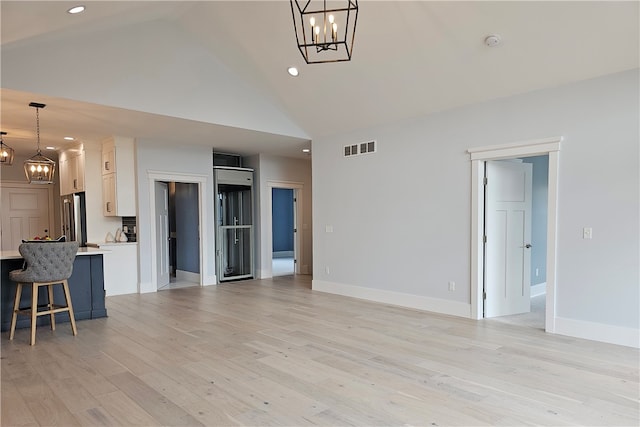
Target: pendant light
(325,33)
(39,169)
(6,152)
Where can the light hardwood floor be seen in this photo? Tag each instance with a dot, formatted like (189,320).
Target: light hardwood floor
(272,352)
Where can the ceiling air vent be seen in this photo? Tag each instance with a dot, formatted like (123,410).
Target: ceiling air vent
(362,148)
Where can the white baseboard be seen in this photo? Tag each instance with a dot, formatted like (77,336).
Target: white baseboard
(146,287)
(283,254)
(187,276)
(539,289)
(437,305)
(210,281)
(620,335)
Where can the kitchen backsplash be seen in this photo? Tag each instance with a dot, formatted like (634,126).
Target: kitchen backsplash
(130,228)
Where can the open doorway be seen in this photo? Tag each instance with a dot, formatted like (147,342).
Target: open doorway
(177,234)
(516,193)
(283,231)
(293,202)
(548,147)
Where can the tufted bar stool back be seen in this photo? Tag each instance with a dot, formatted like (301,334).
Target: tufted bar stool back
(47,264)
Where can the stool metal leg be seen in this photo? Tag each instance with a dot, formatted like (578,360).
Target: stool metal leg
(67,297)
(16,307)
(34,311)
(50,307)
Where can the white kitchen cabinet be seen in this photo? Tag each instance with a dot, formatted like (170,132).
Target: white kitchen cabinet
(118,177)
(109,195)
(120,268)
(71,171)
(108,157)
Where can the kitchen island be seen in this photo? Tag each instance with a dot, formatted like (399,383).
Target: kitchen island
(86,286)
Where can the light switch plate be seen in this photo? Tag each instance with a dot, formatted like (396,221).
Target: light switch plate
(587,233)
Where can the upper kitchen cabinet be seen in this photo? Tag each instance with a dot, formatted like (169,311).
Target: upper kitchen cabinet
(118,177)
(108,156)
(71,171)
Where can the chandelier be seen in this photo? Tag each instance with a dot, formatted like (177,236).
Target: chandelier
(6,152)
(39,169)
(325,34)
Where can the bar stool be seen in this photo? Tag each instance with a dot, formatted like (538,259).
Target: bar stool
(47,264)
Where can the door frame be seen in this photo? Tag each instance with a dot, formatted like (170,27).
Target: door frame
(164,186)
(201,180)
(478,156)
(297,188)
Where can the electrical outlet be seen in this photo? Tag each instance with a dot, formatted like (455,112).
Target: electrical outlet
(452,286)
(537,272)
(326,269)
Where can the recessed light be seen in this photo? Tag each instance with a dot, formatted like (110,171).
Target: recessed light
(50,148)
(293,71)
(68,138)
(306,150)
(76,9)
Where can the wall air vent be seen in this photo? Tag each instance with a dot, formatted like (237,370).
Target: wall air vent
(350,150)
(368,147)
(362,148)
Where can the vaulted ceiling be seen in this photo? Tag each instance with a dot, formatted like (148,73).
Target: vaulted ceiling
(214,72)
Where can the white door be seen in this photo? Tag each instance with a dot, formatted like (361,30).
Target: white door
(507,280)
(162,233)
(25,215)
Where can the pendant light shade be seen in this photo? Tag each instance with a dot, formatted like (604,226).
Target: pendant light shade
(39,169)
(6,152)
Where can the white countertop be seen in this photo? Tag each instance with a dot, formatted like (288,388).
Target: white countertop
(101,244)
(81,251)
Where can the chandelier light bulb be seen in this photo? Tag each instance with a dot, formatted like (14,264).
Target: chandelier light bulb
(331,19)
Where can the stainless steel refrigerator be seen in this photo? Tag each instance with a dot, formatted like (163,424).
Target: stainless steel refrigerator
(74,218)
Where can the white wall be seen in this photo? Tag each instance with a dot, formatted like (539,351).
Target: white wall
(269,170)
(153,67)
(172,160)
(401,216)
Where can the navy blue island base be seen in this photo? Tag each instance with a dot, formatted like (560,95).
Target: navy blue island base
(86,286)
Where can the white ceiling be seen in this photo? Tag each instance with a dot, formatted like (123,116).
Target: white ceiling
(411,58)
